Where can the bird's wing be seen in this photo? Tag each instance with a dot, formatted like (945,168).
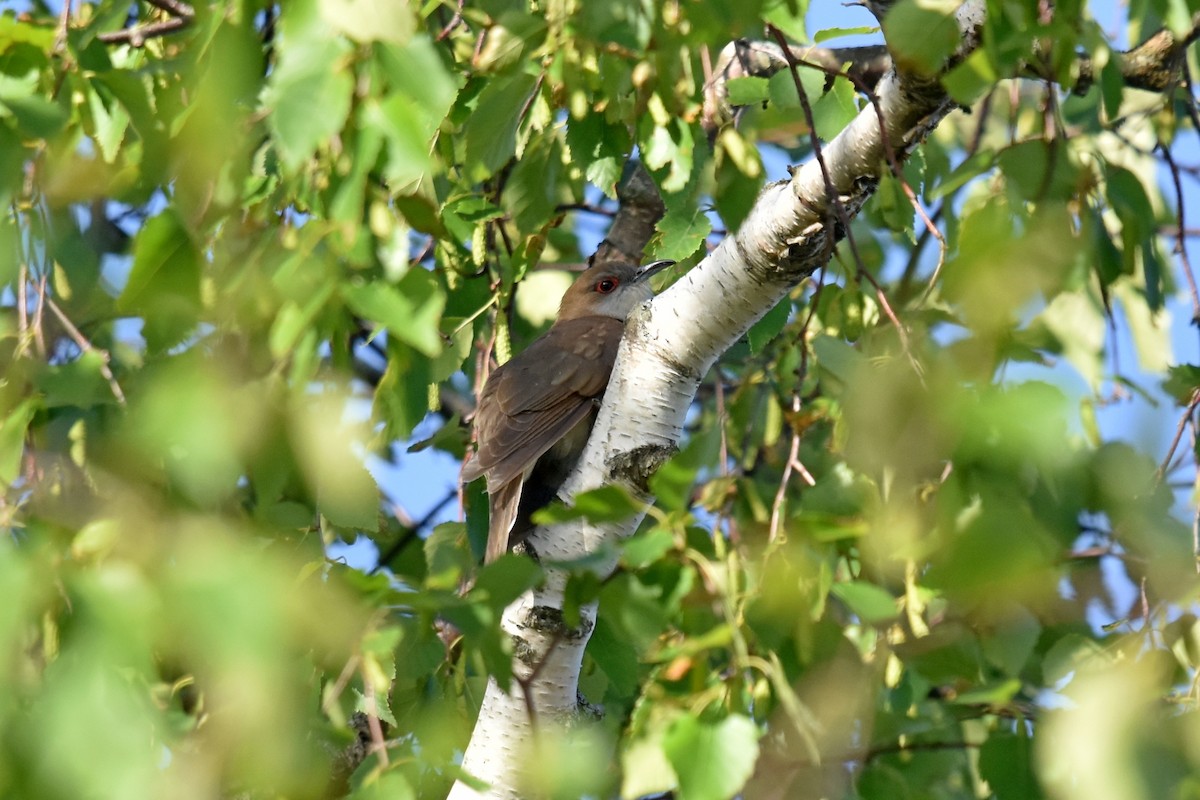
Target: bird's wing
(538,397)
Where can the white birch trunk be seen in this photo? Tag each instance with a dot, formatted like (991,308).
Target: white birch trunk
(669,345)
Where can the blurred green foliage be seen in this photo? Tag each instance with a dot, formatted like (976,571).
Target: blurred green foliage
(883,565)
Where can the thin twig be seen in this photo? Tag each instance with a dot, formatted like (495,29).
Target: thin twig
(64,20)
(39,336)
(781,492)
(174,7)
(1196,511)
(138,35)
(378,743)
(1180,244)
(590,208)
(1183,421)
(723,453)
(339,685)
(22,305)
(87,347)
(413,529)
(454,22)
(839,210)
(526,683)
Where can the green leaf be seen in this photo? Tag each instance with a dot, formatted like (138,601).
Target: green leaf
(670,148)
(1068,654)
(835,33)
(513,35)
(310,88)
(401,121)
(972,168)
(531,191)
(1150,336)
(506,579)
(446,558)
(371,20)
(787,16)
(1182,382)
(766,329)
(391,785)
(645,548)
(12,439)
(606,504)
(747,91)
(1040,170)
(1112,86)
(421,213)
(77,383)
(971,79)
(835,357)
(410,311)
(681,233)
(992,694)
(110,120)
(37,117)
(784,94)
(1127,197)
(834,109)
(490,134)
(712,761)
(921,34)
(1006,763)
(867,601)
(418,71)
(601,147)
(164,283)
(14,32)
(616,657)
(402,397)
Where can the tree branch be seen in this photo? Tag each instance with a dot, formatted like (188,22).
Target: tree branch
(1153,65)
(633,226)
(181,17)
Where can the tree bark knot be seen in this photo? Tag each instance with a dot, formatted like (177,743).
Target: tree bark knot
(547,620)
(636,466)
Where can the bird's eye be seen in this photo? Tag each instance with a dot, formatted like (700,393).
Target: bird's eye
(606,285)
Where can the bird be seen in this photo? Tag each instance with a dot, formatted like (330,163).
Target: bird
(536,411)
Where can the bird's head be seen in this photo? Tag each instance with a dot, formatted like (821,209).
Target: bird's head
(609,290)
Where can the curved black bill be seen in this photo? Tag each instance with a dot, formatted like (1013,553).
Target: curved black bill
(653,268)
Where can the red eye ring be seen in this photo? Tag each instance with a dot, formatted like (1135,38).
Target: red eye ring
(606,285)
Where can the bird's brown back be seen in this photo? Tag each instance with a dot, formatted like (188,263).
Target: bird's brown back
(535,399)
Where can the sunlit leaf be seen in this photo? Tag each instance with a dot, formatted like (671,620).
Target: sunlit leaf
(711,760)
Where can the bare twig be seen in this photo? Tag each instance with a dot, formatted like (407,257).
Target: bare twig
(454,22)
(174,7)
(378,743)
(137,36)
(781,492)
(339,685)
(64,20)
(39,336)
(1183,421)
(22,305)
(87,347)
(527,682)
(1180,244)
(413,529)
(181,16)
(793,464)
(590,208)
